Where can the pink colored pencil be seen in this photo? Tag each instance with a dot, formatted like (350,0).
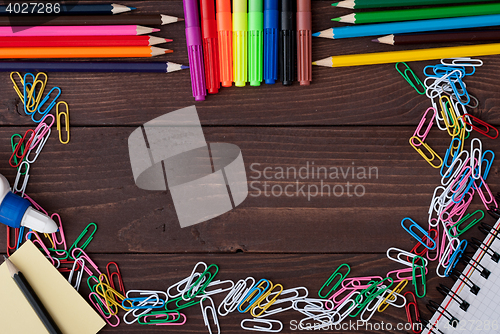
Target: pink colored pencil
(110,30)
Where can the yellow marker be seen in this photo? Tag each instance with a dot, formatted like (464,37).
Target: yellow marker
(66,121)
(240,44)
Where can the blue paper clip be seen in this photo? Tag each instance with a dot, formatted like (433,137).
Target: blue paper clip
(49,107)
(455,257)
(251,292)
(139,303)
(486,169)
(447,156)
(413,234)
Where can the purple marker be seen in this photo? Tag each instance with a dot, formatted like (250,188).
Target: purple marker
(195,50)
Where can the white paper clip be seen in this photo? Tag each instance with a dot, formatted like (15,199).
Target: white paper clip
(400,254)
(210,307)
(257,325)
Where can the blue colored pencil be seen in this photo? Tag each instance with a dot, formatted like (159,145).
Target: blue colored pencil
(88,66)
(410,26)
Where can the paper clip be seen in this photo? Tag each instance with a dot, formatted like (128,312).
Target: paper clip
(62,241)
(370,293)
(106,317)
(476,155)
(28,92)
(411,78)
(18,177)
(332,277)
(198,287)
(383,305)
(14,145)
(433,154)
(163,322)
(204,311)
(410,230)
(258,325)
(233,298)
(121,287)
(460,231)
(16,86)
(41,245)
(413,321)
(208,292)
(258,290)
(422,274)
(66,121)
(145,306)
(80,237)
(462,61)
(19,158)
(482,196)
(178,302)
(32,106)
(39,148)
(79,274)
(189,282)
(49,107)
(87,260)
(455,257)
(399,256)
(486,131)
(447,111)
(421,124)
(257,304)
(11,246)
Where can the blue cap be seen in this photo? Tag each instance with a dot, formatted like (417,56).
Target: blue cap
(12,209)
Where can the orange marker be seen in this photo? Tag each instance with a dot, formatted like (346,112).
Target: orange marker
(225,31)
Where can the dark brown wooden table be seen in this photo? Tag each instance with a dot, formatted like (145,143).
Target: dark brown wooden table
(348,117)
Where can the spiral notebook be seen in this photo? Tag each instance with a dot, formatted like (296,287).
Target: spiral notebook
(473,304)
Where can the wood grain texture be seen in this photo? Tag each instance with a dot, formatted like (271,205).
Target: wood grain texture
(90,179)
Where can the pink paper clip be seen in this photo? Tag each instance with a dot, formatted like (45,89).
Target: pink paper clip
(62,242)
(41,244)
(487,126)
(88,262)
(166,323)
(35,204)
(338,293)
(421,124)
(481,194)
(101,312)
(356,281)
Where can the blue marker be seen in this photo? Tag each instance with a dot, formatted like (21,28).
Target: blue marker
(271,25)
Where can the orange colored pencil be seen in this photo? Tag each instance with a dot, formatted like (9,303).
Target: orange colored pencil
(83,52)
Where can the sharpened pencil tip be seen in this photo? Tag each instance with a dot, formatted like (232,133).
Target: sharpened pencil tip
(335,4)
(375,40)
(132,8)
(316,34)
(184,67)
(181,19)
(337,19)
(155,30)
(314,63)
(169,51)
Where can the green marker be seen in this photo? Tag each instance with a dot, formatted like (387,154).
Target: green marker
(255,41)
(240,29)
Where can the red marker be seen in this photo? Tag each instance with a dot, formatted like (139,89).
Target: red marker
(210,47)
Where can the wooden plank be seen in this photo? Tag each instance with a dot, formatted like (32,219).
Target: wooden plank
(90,180)
(370,95)
(158,272)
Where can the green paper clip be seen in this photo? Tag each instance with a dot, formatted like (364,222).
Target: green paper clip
(80,237)
(414,280)
(463,220)
(332,277)
(411,78)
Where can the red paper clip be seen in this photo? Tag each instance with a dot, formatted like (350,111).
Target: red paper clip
(16,237)
(70,262)
(112,281)
(418,321)
(483,123)
(18,147)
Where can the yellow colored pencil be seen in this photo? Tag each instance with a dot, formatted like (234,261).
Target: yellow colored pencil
(82,52)
(410,55)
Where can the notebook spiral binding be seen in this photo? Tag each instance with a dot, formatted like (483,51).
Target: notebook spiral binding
(467,260)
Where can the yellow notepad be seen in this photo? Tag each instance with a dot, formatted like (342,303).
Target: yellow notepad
(72,314)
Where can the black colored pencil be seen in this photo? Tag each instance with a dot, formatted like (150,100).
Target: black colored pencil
(442,37)
(32,298)
(89,66)
(78,9)
(73,20)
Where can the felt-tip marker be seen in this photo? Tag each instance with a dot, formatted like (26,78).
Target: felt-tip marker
(240,47)
(287,49)
(271,26)
(225,41)
(304,42)
(210,49)
(255,41)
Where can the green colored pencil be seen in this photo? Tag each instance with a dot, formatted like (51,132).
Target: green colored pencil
(354,4)
(420,13)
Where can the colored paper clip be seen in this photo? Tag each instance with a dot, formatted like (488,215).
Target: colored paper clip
(436,239)
(399,257)
(16,86)
(80,237)
(204,312)
(198,287)
(486,131)
(41,245)
(62,240)
(262,325)
(28,92)
(19,158)
(399,272)
(433,155)
(455,257)
(49,107)
(59,115)
(189,282)
(13,146)
(383,305)
(144,306)
(87,259)
(159,321)
(26,174)
(411,78)
(258,303)
(376,289)
(42,140)
(111,295)
(414,321)
(79,273)
(254,294)
(11,246)
(69,263)
(421,124)
(180,303)
(410,230)
(422,274)
(100,310)
(121,287)
(34,97)
(335,274)
(487,202)
(233,298)
(464,220)
(448,112)
(455,168)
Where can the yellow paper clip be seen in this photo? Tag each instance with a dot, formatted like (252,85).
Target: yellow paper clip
(16,87)
(447,108)
(34,97)
(66,121)
(264,296)
(433,156)
(397,289)
(108,293)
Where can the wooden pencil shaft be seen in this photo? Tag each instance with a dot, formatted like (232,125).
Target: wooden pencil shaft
(483,35)
(70,20)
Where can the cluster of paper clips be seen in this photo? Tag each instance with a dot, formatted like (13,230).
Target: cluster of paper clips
(31,91)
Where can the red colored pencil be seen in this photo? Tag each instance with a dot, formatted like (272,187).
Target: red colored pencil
(75,41)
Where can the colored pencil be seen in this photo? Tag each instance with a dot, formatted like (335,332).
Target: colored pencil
(46,41)
(78,9)
(419,14)
(89,66)
(83,52)
(32,298)
(410,26)
(410,55)
(442,37)
(123,30)
(140,19)
(355,4)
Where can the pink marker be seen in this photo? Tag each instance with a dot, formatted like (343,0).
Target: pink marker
(114,30)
